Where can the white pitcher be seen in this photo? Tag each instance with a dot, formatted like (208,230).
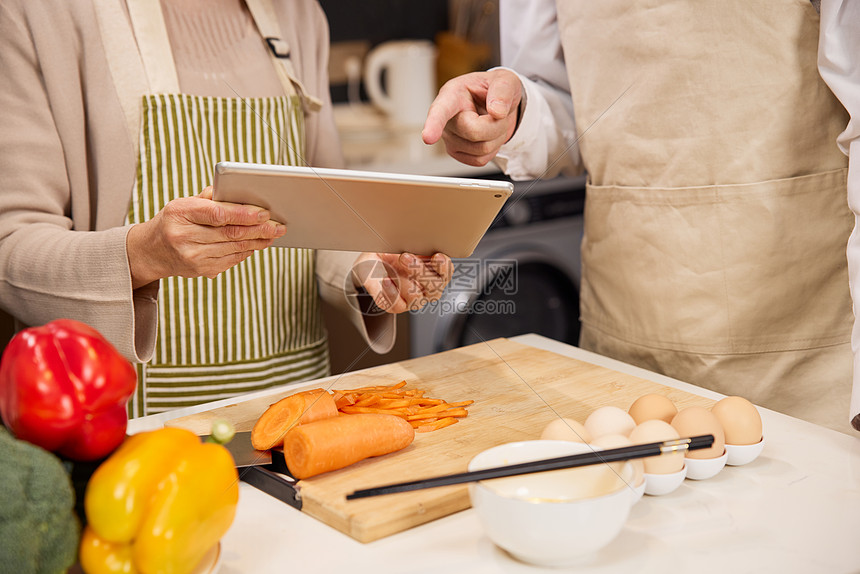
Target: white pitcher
(410,86)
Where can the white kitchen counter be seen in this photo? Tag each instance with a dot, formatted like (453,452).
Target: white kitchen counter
(794,509)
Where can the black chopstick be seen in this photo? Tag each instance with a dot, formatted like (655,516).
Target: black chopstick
(570,461)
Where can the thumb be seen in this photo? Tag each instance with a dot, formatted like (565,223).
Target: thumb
(503,96)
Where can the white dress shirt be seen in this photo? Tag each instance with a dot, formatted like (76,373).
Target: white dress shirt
(544,144)
(839,64)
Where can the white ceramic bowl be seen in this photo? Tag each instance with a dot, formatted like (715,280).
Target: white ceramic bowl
(639,490)
(555,518)
(705,468)
(660,484)
(740,454)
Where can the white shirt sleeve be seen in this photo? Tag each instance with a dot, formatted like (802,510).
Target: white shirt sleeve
(839,65)
(544,144)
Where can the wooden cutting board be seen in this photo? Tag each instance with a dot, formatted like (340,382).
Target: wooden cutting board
(517,391)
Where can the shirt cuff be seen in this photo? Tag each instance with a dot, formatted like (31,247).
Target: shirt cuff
(541,145)
(379,330)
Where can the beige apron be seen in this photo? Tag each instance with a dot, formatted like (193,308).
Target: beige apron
(259,323)
(716,219)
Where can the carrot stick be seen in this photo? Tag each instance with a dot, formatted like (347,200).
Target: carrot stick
(343,401)
(333,443)
(422,416)
(355,410)
(429,402)
(296,409)
(367,400)
(401,393)
(421,422)
(433,409)
(436,425)
(379,388)
(395,399)
(393,403)
(461,404)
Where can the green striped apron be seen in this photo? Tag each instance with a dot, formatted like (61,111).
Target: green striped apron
(257,324)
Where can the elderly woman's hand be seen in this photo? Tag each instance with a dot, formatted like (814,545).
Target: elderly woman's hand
(403,282)
(197,237)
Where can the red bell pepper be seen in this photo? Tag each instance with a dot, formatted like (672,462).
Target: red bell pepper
(64,387)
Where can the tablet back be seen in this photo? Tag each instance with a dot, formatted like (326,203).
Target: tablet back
(351,210)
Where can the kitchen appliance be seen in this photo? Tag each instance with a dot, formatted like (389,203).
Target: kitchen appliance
(523,277)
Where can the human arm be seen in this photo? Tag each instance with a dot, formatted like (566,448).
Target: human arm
(62,243)
(68,167)
(475,131)
(839,65)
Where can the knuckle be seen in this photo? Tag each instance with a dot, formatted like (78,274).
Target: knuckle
(234,233)
(217,215)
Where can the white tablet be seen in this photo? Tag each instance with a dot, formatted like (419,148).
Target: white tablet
(349,210)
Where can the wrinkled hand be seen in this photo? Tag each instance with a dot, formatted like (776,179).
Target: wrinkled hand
(197,237)
(475,114)
(403,282)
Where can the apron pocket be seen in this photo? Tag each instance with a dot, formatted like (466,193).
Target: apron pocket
(720,269)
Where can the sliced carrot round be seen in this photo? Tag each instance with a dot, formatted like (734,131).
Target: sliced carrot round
(280,417)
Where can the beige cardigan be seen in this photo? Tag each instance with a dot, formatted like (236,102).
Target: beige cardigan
(67,166)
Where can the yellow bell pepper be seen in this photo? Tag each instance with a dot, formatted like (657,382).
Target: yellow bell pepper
(158,504)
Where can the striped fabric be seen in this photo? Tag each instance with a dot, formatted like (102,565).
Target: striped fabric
(257,324)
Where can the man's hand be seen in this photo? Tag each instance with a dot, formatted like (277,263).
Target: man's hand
(475,114)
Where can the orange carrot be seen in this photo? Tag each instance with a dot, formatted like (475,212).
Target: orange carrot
(297,409)
(436,425)
(379,388)
(460,404)
(400,401)
(355,410)
(367,400)
(333,443)
(420,416)
(342,400)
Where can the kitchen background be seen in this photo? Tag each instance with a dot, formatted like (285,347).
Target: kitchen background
(524,275)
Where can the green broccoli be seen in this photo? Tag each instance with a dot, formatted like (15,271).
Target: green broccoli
(39,531)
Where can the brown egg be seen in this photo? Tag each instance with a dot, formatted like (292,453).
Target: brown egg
(619,441)
(695,421)
(609,420)
(658,431)
(740,419)
(565,429)
(653,406)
